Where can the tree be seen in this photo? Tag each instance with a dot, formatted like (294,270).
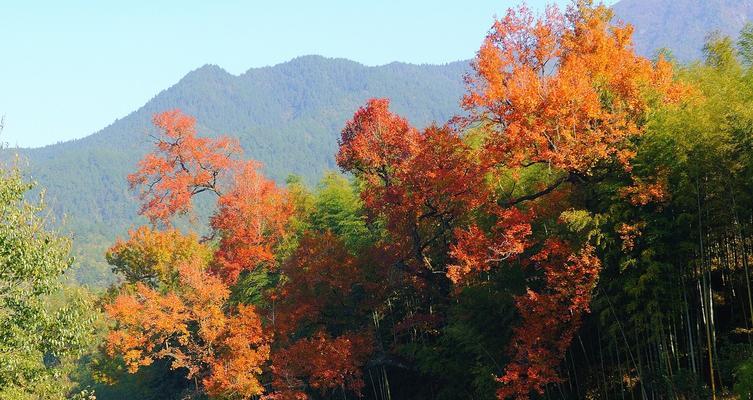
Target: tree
(149,256)
(190,326)
(475,246)
(176,304)
(556,102)
(181,166)
(565,91)
(44,326)
(321,319)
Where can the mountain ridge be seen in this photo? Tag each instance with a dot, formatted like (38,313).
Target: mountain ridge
(288,116)
(681,25)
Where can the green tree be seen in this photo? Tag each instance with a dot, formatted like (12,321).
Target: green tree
(44,326)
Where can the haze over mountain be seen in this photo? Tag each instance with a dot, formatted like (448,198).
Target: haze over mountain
(682,25)
(289,115)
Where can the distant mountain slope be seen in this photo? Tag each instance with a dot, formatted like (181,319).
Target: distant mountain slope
(288,116)
(682,25)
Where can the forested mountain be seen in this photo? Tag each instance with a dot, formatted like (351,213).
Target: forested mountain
(287,116)
(681,25)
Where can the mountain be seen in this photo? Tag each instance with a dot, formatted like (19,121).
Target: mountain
(288,116)
(682,25)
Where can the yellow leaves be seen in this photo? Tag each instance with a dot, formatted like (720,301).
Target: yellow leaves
(134,359)
(151,256)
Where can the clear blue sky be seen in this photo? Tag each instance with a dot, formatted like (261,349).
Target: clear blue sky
(69,68)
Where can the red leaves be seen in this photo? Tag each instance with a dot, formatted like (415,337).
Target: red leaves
(181,166)
(320,275)
(326,363)
(317,296)
(476,251)
(420,182)
(375,141)
(550,318)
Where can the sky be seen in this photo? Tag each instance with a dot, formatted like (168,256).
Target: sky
(69,68)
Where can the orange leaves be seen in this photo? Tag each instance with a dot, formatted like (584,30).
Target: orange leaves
(643,192)
(251,220)
(190,327)
(474,251)
(181,166)
(158,323)
(550,318)
(242,351)
(253,211)
(178,308)
(566,90)
(629,233)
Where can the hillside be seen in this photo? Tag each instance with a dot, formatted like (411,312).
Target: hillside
(682,25)
(288,116)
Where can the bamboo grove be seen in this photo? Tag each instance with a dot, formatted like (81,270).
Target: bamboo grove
(583,230)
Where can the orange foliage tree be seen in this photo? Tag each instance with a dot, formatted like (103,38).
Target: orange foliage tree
(251,220)
(181,166)
(556,102)
(175,304)
(566,91)
(191,327)
(420,181)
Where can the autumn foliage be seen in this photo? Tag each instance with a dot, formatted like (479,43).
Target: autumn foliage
(567,89)
(190,327)
(556,104)
(181,166)
(175,304)
(250,221)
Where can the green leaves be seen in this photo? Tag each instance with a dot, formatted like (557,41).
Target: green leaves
(43,326)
